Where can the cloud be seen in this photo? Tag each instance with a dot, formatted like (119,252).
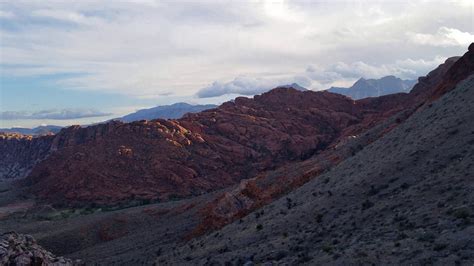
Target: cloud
(444,37)
(66,16)
(244,85)
(406,68)
(145,48)
(6,14)
(53,114)
(317,77)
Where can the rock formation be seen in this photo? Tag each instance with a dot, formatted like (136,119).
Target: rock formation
(18,249)
(201,152)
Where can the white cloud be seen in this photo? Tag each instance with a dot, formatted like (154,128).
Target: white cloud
(66,16)
(6,14)
(444,37)
(244,85)
(317,77)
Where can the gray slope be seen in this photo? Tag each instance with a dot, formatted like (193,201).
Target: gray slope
(407,198)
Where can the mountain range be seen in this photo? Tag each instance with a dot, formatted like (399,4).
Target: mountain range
(361,89)
(287,177)
(364,88)
(36,131)
(173,111)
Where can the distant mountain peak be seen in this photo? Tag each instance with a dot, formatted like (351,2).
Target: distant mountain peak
(172,111)
(293,85)
(36,131)
(364,88)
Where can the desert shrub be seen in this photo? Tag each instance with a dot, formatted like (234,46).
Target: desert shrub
(327,248)
(404,186)
(367,204)
(319,218)
(289,203)
(461,213)
(439,247)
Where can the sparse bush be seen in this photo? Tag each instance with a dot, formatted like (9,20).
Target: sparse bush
(461,213)
(428,237)
(404,186)
(319,218)
(327,248)
(289,203)
(280,255)
(439,247)
(367,204)
(259,227)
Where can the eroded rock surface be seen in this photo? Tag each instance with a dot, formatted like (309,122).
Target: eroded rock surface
(18,249)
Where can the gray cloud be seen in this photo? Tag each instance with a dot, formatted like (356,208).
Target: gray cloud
(249,86)
(318,78)
(162,46)
(54,114)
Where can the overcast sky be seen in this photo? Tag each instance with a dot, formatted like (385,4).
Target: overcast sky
(67,62)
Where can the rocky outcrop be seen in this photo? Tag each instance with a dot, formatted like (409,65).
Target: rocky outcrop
(198,153)
(201,152)
(18,249)
(458,72)
(426,85)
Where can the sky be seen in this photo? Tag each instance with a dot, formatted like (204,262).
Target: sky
(80,62)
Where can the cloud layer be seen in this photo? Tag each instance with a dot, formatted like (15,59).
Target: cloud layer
(53,114)
(245,85)
(319,77)
(147,48)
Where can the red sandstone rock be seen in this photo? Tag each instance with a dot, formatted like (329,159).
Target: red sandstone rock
(213,149)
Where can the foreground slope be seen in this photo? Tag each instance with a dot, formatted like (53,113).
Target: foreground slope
(406,198)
